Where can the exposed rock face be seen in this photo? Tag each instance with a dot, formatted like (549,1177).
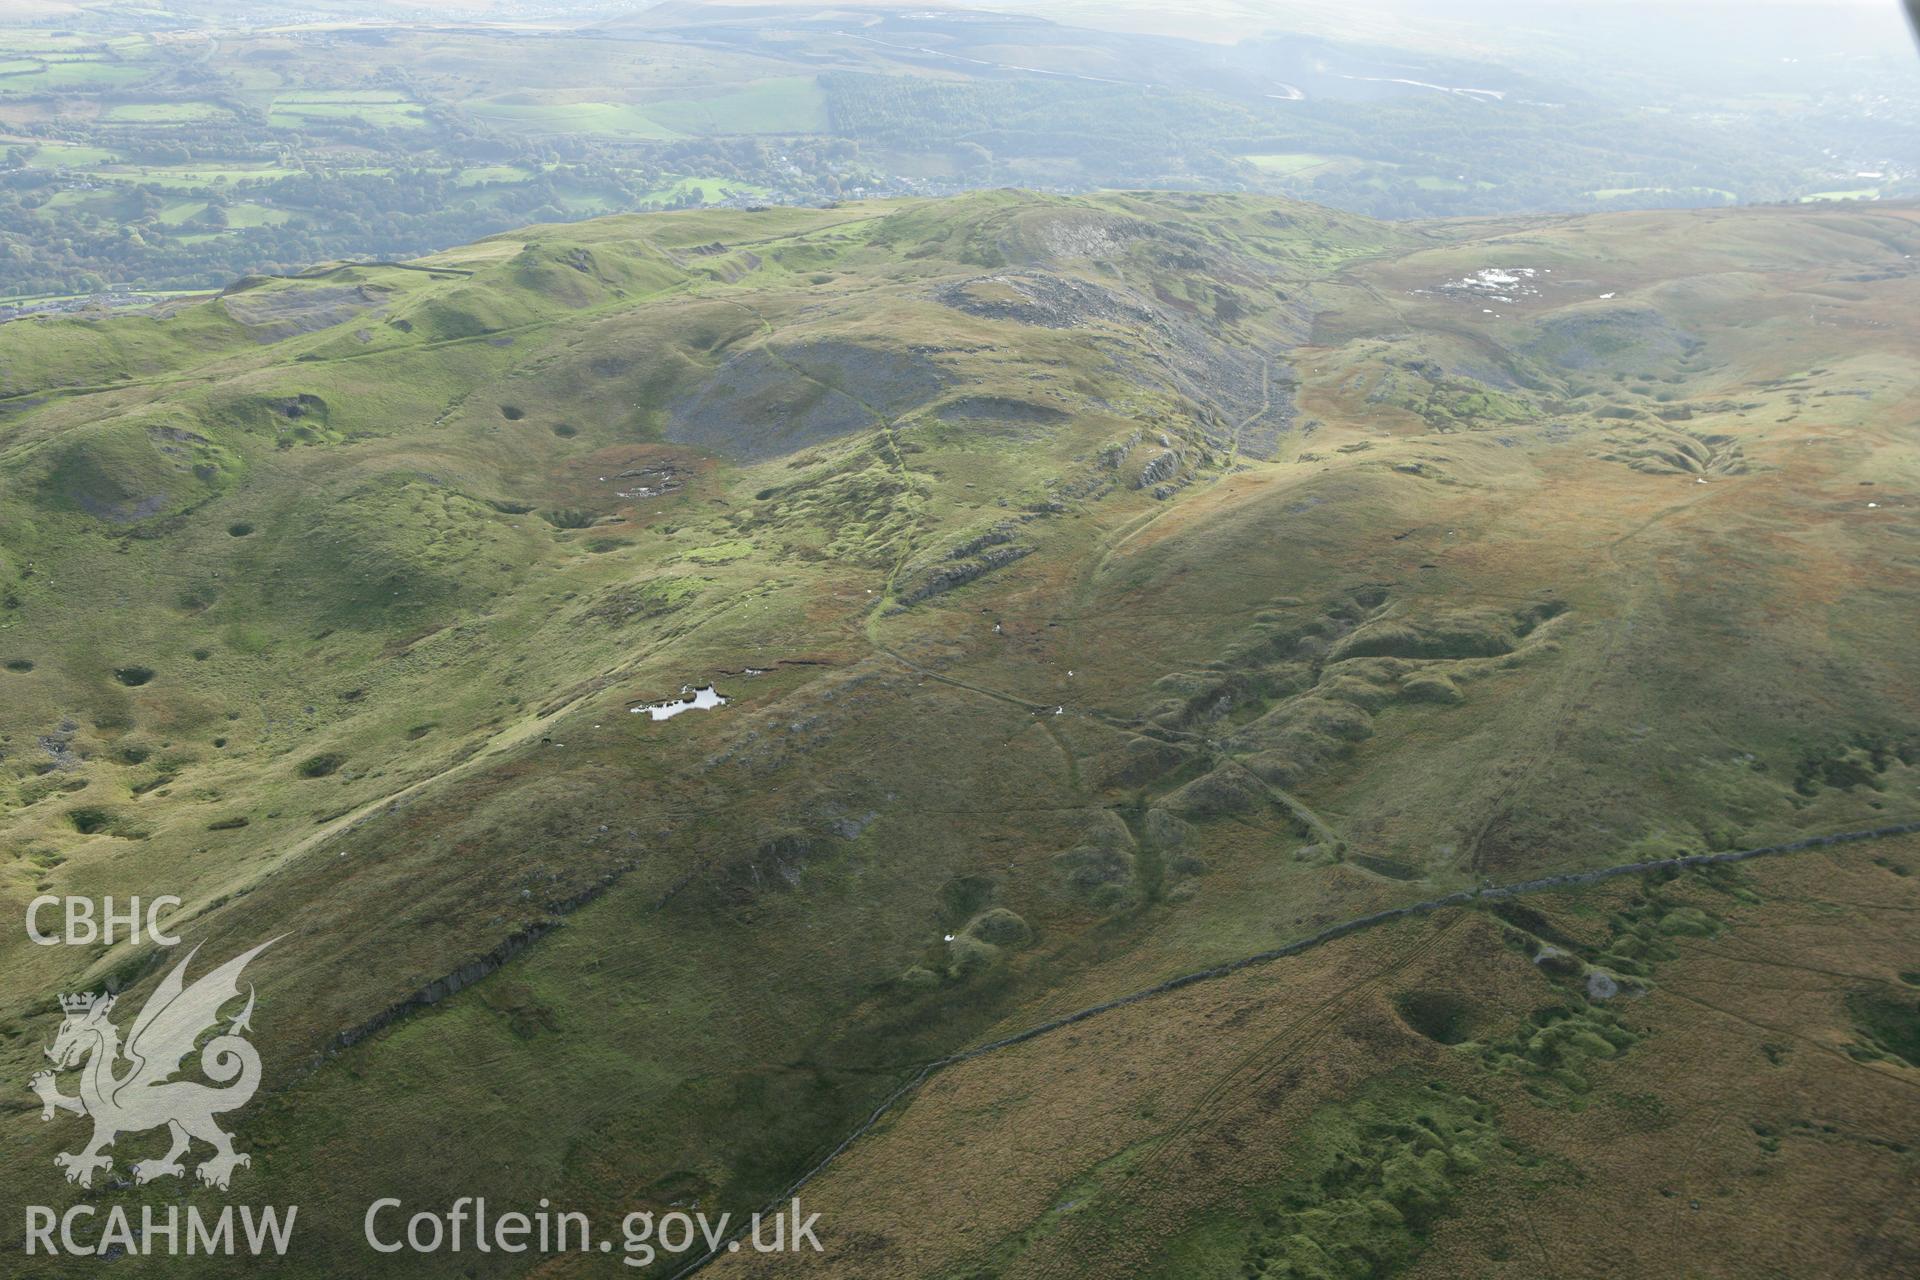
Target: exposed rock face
(1160,469)
(275,314)
(978,554)
(1041,298)
(957,574)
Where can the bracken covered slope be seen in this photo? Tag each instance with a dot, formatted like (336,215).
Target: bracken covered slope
(1100,590)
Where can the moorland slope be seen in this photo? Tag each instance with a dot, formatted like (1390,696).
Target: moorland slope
(1099,589)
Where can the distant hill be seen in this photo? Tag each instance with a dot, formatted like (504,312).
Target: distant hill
(148,148)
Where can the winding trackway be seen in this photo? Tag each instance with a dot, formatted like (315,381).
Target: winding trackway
(1465,897)
(1126,532)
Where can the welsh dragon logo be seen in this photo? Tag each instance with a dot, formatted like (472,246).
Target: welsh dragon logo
(131,1089)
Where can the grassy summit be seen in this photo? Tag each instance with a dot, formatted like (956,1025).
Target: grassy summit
(1100,589)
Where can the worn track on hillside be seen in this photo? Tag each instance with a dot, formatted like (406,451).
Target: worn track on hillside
(1461,898)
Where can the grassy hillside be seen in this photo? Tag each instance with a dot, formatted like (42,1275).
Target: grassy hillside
(1101,589)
